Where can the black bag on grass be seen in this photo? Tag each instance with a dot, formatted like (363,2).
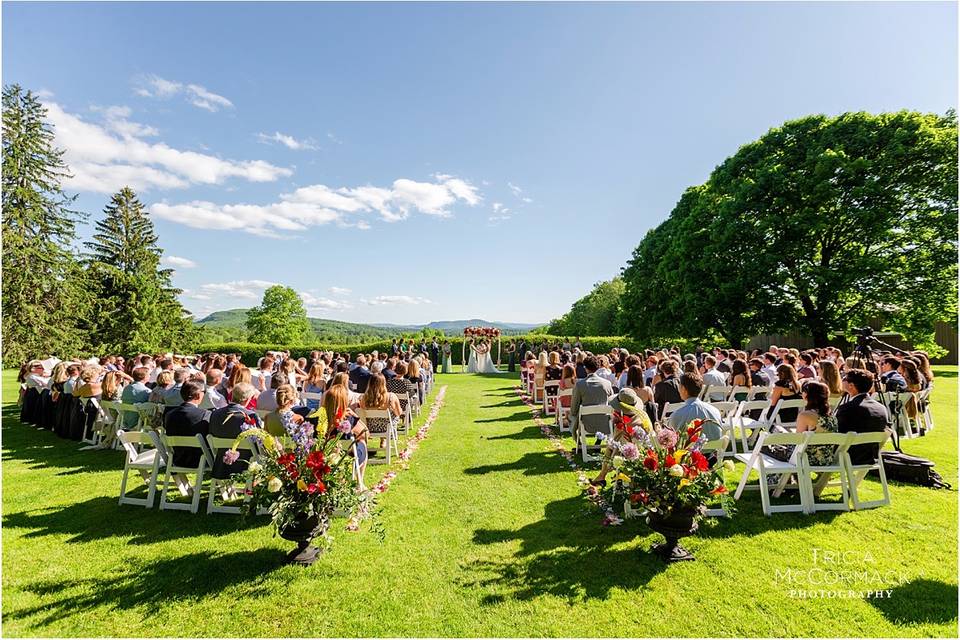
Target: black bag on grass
(903,467)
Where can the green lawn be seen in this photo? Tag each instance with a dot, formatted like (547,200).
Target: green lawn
(487,534)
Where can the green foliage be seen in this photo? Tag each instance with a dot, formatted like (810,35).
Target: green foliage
(230,326)
(279,318)
(136,307)
(596,314)
(43,288)
(820,225)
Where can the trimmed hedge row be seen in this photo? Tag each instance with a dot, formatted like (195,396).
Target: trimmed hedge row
(250,353)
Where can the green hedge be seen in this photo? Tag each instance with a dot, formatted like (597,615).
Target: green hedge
(250,353)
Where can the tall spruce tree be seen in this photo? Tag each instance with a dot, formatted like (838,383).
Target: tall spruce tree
(137,306)
(44,291)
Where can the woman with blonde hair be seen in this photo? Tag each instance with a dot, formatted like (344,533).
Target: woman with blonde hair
(414,376)
(830,376)
(282,420)
(164,382)
(336,405)
(112,386)
(342,379)
(315,382)
(377,397)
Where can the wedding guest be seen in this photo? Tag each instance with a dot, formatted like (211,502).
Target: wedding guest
(163,384)
(212,397)
(667,390)
(861,414)
(890,378)
(267,400)
(740,377)
(377,397)
(315,382)
(337,403)
(591,391)
(787,387)
(415,376)
(229,422)
(830,376)
(187,419)
(399,384)
(134,393)
(281,419)
(568,379)
(769,370)
(806,370)
(691,384)
(713,378)
(360,375)
(817,416)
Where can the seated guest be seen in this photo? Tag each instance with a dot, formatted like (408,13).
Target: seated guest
(757,379)
(645,394)
(134,393)
(267,400)
(172,397)
(627,412)
(861,414)
(213,398)
(389,369)
(377,397)
(668,388)
(163,384)
(830,376)
(740,377)
(890,378)
(360,374)
(281,419)
(553,371)
(712,377)
(187,419)
(342,379)
(315,382)
(337,403)
(399,384)
(806,370)
(415,376)
(568,379)
(691,384)
(591,391)
(817,417)
(787,387)
(230,421)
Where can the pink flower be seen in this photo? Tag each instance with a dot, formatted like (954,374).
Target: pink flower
(630,451)
(231,456)
(667,438)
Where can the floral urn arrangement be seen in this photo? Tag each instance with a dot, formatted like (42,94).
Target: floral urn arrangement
(301,479)
(665,473)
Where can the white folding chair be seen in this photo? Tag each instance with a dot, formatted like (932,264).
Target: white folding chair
(720,447)
(538,389)
(389,436)
(727,411)
(404,399)
(306,396)
(148,412)
(584,432)
(551,388)
(563,413)
(166,446)
(841,441)
(226,486)
(736,391)
(857,472)
(923,398)
(901,419)
(668,409)
(109,421)
(146,463)
(776,419)
(755,392)
(766,465)
(716,393)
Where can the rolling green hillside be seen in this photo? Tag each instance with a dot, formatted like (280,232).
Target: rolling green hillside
(230,326)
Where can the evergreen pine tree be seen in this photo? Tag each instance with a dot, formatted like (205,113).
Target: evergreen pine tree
(137,306)
(43,287)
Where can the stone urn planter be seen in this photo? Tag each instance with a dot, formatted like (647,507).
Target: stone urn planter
(676,524)
(303,531)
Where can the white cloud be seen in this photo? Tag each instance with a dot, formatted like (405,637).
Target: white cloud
(153,86)
(499,208)
(178,262)
(105,158)
(288,141)
(340,291)
(319,204)
(237,289)
(315,304)
(383,300)
(517,191)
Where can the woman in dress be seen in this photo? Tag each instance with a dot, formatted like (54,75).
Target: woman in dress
(415,377)
(377,397)
(447,360)
(337,403)
(315,382)
(830,376)
(282,421)
(568,379)
(740,377)
(787,387)
(817,416)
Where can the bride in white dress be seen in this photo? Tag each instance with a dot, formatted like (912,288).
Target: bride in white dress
(480,360)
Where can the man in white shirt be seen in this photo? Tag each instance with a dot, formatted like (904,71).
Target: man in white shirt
(212,398)
(769,370)
(713,378)
(650,371)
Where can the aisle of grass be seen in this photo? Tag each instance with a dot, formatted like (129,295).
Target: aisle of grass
(487,534)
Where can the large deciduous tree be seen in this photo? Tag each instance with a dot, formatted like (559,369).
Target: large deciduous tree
(819,225)
(136,304)
(280,319)
(595,314)
(43,289)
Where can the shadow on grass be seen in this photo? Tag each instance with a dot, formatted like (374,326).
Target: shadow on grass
(919,601)
(100,518)
(43,449)
(565,554)
(527,433)
(520,416)
(531,464)
(189,577)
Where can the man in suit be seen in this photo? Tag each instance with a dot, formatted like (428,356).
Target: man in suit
(668,389)
(890,377)
(360,375)
(187,420)
(861,414)
(133,393)
(435,354)
(229,422)
(591,391)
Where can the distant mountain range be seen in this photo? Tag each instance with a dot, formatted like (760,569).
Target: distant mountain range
(230,326)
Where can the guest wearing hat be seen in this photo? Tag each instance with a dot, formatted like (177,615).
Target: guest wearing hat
(629,419)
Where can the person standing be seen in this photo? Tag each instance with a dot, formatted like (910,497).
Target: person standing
(447,359)
(435,353)
(511,355)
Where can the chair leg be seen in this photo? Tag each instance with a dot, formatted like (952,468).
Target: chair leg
(123,482)
(195,504)
(152,491)
(764,492)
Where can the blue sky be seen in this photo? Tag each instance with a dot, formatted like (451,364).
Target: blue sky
(416,162)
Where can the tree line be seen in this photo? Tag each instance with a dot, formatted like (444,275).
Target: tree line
(821,225)
(111,295)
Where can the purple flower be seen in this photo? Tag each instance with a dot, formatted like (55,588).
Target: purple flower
(344,427)
(667,438)
(630,451)
(231,456)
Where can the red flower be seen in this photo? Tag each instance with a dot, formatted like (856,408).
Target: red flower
(293,473)
(689,471)
(640,496)
(321,488)
(312,487)
(650,461)
(699,461)
(315,459)
(719,490)
(286,459)
(670,460)
(698,422)
(693,433)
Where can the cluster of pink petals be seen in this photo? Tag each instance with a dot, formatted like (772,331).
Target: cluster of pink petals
(593,495)
(412,444)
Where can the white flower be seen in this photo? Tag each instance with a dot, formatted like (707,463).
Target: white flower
(274,485)
(676,470)
(728,465)
(617,461)
(254,467)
